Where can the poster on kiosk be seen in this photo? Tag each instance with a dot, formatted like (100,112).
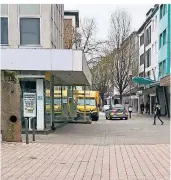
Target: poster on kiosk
(29,103)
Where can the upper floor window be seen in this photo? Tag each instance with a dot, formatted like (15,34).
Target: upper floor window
(164,37)
(160,40)
(141,59)
(160,69)
(148,58)
(148,36)
(142,40)
(163,10)
(141,74)
(155,21)
(149,74)
(30,31)
(155,45)
(4,30)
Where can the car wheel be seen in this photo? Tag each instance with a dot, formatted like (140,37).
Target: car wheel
(106,118)
(126,118)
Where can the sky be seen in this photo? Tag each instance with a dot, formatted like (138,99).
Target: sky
(102,13)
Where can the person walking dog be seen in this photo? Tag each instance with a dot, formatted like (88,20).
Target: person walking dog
(157,113)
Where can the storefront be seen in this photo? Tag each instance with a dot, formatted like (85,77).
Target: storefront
(39,70)
(165,83)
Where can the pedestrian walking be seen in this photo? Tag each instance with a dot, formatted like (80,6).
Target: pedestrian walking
(142,108)
(157,113)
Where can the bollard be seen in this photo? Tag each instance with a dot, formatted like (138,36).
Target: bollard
(33,129)
(130,114)
(27,133)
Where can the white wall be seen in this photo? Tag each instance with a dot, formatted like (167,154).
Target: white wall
(154,53)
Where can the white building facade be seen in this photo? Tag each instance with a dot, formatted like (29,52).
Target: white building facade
(32,25)
(148,53)
(32,45)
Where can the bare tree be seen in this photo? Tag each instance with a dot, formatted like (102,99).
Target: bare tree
(101,77)
(122,50)
(84,38)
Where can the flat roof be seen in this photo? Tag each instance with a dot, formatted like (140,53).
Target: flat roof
(67,65)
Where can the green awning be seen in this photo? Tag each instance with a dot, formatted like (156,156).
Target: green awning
(142,80)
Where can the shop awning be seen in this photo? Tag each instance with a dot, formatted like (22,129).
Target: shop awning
(142,80)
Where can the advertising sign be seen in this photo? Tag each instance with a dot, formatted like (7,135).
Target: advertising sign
(29,102)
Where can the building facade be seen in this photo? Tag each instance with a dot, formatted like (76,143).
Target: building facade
(32,45)
(148,55)
(71,25)
(164,58)
(34,25)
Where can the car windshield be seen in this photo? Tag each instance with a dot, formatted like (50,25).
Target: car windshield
(57,101)
(118,107)
(88,101)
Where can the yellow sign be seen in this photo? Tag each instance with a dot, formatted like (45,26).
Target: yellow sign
(47,76)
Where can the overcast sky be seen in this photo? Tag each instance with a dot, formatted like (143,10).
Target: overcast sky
(102,14)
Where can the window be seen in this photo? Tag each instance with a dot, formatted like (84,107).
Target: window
(153,25)
(161,11)
(164,37)
(155,21)
(160,40)
(148,36)
(160,69)
(29,31)
(142,40)
(4,30)
(155,45)
(164,67)
(141,74)
(164,9)
(149,74)
(153,49)
(141,59)
(148,60)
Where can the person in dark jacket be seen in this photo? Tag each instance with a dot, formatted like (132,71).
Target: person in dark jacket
(157,113)
(147,108)
(142,108)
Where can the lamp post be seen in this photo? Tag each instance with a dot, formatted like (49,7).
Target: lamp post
(130,103)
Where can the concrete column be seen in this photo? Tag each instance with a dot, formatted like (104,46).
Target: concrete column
(40,104)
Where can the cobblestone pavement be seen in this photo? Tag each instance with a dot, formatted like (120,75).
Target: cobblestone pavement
(105,150)
(138,130)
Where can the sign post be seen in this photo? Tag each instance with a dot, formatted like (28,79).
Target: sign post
(29,102)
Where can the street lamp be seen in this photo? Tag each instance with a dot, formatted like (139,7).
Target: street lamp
(130,103)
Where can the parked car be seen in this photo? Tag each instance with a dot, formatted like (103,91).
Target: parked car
(117,111)
(105,108)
